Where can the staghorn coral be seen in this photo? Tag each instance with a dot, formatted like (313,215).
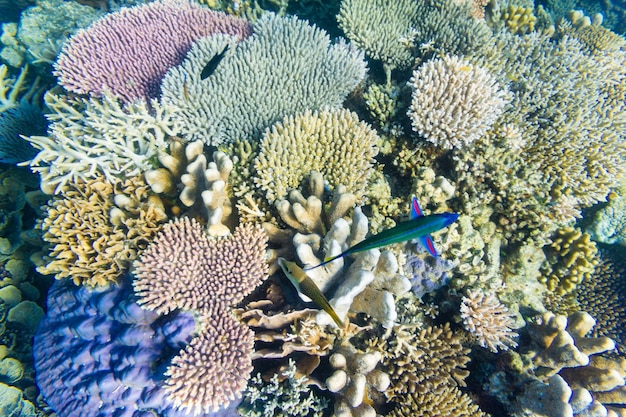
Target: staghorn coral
(422,360)
(96,229)
(225,108)
(99,136)
(96,348)
(454,102)
(128,52)
(591,33)
(289,397)
(208,274)
(447,401)
(488,321)
(333,143)
(571,258)
(213,368)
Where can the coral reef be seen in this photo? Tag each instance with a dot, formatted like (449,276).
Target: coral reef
(96,229)
(488,321)
(128,52)
(454,102)
(276,398)
(313,142)
(447,401)
(608,224)
(225,108)
(99,136)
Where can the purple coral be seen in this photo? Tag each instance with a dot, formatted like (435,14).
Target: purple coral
(97,353)
(128,52)
(427,274)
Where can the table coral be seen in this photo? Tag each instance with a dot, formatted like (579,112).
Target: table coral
(335,143)
(454,102)
(254,85)
(96,229)
(128,52)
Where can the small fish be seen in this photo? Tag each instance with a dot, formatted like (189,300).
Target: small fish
(305,285)
(418,227)
(210,66)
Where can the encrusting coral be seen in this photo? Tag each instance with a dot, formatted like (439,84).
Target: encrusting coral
(454,102)
(488,321)
(95,229)
(128,52)
(333,143)
(224,108)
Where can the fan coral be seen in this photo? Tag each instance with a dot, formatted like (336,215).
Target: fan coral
(286,66)
(90,137)
(96,349)
(213,368)
(128,52)
(488,321)
(96,229)
(454,102)
(185,269)
(334,143)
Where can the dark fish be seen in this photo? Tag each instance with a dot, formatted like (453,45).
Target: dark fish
(210,66)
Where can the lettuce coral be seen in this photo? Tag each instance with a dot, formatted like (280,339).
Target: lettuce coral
(334,143)
(286,66)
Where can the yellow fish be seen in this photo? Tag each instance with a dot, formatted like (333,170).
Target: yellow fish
(305,285)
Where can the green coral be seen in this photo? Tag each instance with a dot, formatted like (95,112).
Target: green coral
(287,66)
(285,395)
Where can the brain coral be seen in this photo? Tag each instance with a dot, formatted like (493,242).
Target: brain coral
(454,102)
(286,66)
(128,52)
(185,269)
(333,143)
(97,352)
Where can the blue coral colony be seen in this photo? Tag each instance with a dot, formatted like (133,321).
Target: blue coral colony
(186,156)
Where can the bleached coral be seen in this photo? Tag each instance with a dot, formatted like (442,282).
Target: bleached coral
(488,321)
(90,137)
(454,102)
(254,84)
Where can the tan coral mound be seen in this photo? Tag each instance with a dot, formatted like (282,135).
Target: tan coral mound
(454,102)
(96,229)
(449,401)
(335,143)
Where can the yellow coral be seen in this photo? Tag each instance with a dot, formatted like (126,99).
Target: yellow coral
(96,229)
(571,258)
(519,19)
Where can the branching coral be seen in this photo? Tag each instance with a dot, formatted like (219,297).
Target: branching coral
(128,52)
(488,321)
(96,229)
(454,102)
(90,137)
(333,143)
(254,84)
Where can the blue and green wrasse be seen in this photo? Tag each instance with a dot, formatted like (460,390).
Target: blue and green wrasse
(305,285)
(418,227)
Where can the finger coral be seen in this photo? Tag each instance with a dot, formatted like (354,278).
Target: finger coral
(454,102)
(488,321)
(185,269)
(333,143)
(287,66)
(128,52)
(96,229)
